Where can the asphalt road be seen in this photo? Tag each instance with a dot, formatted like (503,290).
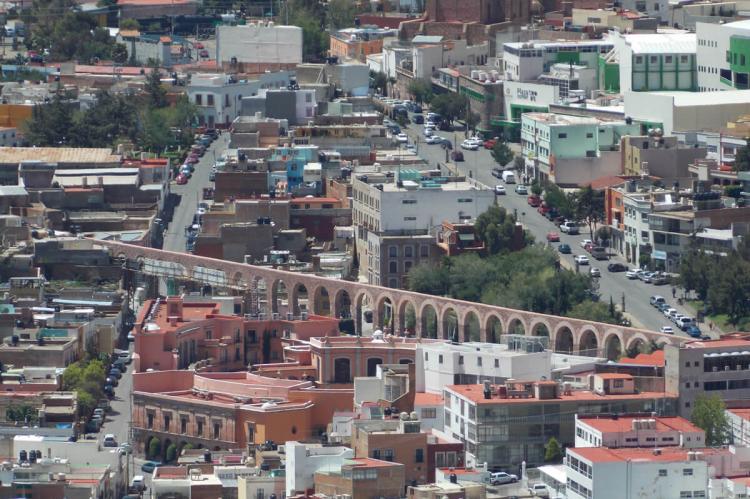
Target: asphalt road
(635,294)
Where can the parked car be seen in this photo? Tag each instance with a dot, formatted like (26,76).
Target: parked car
(150,466)
(685,322)
(500,190)
(669,312)
(111,381)
(125,449)
(661,307)
(109,440)
(402,138)
(631,274)
(569,227)
(581,259)
(490,143)
(114,372)
(655,300)
(539,490)
(553,237)
(564,249)
(434,139)
(181,179)
(534,200)
(599,253)
(521,189)
(138,483)
(667,330)
(617,267)
(497,172)
(693,331)
(203,53)
(469,145)
(595,272)
(418,119)
(501,477)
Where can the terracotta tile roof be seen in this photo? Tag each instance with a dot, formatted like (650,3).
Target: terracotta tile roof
(666,454)
(475,393)
(648,359)
(428,399)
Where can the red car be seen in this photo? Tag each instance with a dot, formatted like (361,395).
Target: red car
(490,143)
(534,200)
(192,159)
(543,208)
(198,45)
(181,179)
(203,53)
(553,237)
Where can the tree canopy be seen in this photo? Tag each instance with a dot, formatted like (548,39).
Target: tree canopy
(710,416)
(501,153)
(450,106)
(420,90)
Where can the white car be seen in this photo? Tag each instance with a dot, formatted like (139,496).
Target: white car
(471,146)
(200,211)
(581,259)
(109,440)
(402,138)
(475,140)
(667,330)
(433,139)
(501,477)
(631,274)
(594,272)
(585,242)
(539,490)
(500,190)
(669,312)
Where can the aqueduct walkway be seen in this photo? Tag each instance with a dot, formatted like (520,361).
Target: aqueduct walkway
(285,292)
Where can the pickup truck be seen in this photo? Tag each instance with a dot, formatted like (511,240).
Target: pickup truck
(599,253)
(569,227)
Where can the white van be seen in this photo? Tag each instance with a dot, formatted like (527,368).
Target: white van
(138,483)
(509,177)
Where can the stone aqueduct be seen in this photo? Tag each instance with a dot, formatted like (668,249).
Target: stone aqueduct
(429,316)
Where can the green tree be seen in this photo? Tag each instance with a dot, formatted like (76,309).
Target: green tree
(420,90)
(536,188)
(593,311)
(50,124)
(552,451)
(379,81)
(119,53)
(501,153)
(604,235)
(472,120)
(341,14)
(157,94)
(742,159)
(23,414)
(557,199)
(428,278)
(708,415)
(496,229)
(129,24)
(450,106)
(86,403)
(154,448)
(589,206)
(171,453)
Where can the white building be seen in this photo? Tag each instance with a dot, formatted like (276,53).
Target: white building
(723,56)
(218,97)
(429,55)
(655,61)
(264,44)
(526,61)
(441,364)
(637,431)
(303,460)
(409,208)
(739,423)
(686,110)
(671,472)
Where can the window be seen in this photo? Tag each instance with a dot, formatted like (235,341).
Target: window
(393,267)
(562,135)
(662,472)
(183,425)
(209,335)
(410,219)
(198,100)
(497,362)
(408,251)
(424,251)
(479,361)
(217,430)
(419,456)
(639,59)
(685,493)
(589,135)
(460,360)
(687,472)
(667,58)
(654,59)
(393,251)
(429,413)
(150,422)
(408,201)
(683,59)
(167,420)
(210,99)
(440,359)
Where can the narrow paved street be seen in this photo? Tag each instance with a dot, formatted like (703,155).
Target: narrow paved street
(636,294)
